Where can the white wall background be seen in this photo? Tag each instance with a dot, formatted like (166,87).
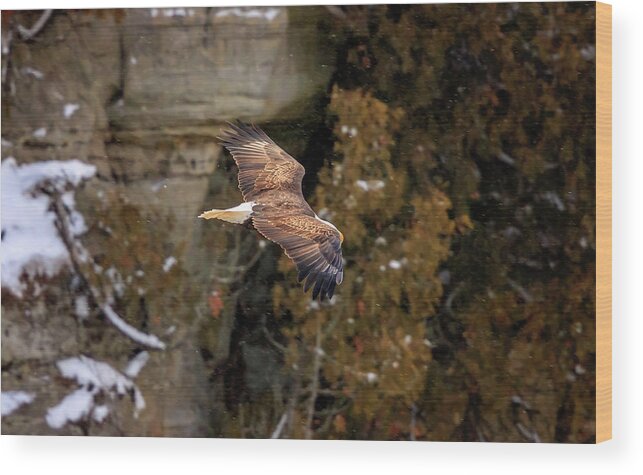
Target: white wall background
(624,454)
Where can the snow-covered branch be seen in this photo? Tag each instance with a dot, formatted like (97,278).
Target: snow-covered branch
(10,401)
(97,381)
(30,33)
(129,331)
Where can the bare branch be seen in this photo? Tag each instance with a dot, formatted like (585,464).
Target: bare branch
(270,338)
(280,426)
(315,382)
(448,304)
(79,255)
(6,51)
(336,11)
(526,296)
(530,435)
(414,411)
(506,158)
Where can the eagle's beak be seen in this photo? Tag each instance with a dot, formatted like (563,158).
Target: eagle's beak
(341,237)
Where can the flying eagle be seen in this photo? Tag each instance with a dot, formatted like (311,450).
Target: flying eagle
(270,182)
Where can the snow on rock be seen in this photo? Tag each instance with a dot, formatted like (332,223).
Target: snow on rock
(40,133)
(30,241)
(29,71)
(81,307)
(371,377)
(100,413)
(170,12)
(12,400)
(95,378)
(72,408)
(70,109)
(265,13)
(169,263)
(158,185)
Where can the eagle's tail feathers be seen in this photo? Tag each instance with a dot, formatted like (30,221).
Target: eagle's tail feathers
(237,215)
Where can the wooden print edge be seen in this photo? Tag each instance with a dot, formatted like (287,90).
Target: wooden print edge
(603,222)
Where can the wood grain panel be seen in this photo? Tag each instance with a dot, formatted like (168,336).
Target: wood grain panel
(603,222)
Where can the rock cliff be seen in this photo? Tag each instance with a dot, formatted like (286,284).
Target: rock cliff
(141,94)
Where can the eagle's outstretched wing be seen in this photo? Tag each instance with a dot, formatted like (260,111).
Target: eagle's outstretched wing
(271,180)
(314,247)
(263,165)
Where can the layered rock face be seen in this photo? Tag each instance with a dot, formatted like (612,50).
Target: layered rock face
(141,95)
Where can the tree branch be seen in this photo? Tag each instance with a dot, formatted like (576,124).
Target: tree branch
(79,255)
(280,426)
(315,382)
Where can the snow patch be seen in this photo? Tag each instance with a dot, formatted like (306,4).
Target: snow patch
(169,263)
(29,71)
(95,378)
(370,185)
(81,307)
(116,280)
(40,133)
(170,12)
(395,264)
(72,408)
(30,241)
(100,413)
(265,13)
(10,401)
(70,109)
(158,185)
(381,241)
(371,377)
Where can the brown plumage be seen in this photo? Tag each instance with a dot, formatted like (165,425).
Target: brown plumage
(270,182)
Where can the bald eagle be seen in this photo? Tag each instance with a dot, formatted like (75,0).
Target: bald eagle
(270,182)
